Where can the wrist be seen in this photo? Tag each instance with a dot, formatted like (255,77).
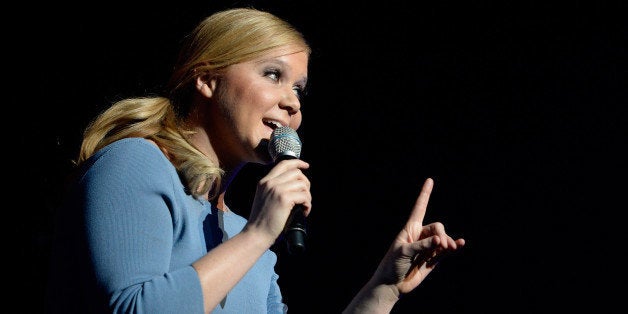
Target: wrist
(386,293)
(258,236)
(374,298)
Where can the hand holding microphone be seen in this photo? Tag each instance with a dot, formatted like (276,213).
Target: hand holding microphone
(285,144)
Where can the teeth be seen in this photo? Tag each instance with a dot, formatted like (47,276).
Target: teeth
(275,123)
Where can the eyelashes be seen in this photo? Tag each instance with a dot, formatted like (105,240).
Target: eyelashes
(273,74)
(276,74)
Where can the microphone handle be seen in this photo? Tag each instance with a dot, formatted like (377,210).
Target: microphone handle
(295,231)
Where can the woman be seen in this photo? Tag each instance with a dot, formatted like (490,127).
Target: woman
(145,227)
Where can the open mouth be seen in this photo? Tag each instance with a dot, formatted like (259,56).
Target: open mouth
(273,124)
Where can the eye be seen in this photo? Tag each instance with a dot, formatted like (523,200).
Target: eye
(273,74)
(299,90)
(276,74)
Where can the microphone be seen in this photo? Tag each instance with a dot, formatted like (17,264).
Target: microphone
(285,144)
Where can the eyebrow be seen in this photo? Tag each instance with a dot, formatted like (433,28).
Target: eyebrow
(282,64)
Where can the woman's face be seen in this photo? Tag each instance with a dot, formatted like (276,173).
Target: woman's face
(253,98)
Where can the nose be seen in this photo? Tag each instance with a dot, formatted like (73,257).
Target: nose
(290,102)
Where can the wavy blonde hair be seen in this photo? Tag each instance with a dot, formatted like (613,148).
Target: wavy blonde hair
(220,40)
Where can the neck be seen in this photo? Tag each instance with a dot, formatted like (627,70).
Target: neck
(201,140)
(230,174)
(219,202)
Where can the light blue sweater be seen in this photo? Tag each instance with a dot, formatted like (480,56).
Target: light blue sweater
(128,234)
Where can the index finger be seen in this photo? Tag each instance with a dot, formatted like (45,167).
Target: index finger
(420,206)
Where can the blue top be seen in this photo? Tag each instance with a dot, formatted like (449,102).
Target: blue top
(128,233)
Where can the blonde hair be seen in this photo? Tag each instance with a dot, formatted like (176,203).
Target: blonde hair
(220,40)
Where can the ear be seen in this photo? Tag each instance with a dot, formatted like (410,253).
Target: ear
(206,85)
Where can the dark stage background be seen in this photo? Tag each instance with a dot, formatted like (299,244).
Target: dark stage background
(516,109)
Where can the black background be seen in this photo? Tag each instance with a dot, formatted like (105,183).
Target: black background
(516,109)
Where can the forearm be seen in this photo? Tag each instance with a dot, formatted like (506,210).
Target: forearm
(373,298)
(222,267)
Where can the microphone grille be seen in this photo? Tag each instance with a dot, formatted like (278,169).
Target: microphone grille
(284,141)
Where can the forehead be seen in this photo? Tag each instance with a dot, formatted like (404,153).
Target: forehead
(293,59)
(288,54)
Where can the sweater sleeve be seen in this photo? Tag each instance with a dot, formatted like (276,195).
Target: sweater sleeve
(128,190)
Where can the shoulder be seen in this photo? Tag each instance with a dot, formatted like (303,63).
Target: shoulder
(132,145)
(131,150)
(129,157)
